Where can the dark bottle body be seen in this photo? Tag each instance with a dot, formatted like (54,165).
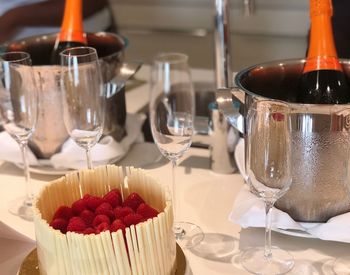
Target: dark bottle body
(72,33)
(60,47)
(323,80)
(324,87)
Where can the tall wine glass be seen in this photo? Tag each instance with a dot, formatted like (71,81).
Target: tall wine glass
(270,176)
(171,115)
(18,113)
(83,97)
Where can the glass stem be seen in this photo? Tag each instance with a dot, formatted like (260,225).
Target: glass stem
(29,191)
(88,158)
(177,229)
(268,208)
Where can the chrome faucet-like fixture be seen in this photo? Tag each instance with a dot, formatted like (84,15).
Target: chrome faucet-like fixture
(223,73)
(221,155)
(222,44)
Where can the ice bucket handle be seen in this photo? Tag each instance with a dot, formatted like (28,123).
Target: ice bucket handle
(229,101)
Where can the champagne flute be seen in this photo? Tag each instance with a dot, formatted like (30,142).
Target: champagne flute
(18,112)
(269,176)
(171,118)
(83,96)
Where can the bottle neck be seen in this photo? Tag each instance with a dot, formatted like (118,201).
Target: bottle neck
(322,54)
(72,24)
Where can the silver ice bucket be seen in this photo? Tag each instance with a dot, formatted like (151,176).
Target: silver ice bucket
(50,131)
(321,138)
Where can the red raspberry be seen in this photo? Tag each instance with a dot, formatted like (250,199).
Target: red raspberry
(121,212)
(76,224)
(104,226)
(86,197)
(92,202)
(89,231)
(87,216)
(114,198)
(78,207)
(105,209)
(100,219)
(132,219)
(116,225)
(146,211)
(59,224)
(63,212)
(133,201)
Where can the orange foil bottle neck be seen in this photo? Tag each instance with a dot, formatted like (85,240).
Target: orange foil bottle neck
(72,24)
(322,54)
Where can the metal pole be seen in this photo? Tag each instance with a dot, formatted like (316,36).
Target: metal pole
(222,44)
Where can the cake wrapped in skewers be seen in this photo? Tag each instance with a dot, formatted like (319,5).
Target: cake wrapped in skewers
(110,220)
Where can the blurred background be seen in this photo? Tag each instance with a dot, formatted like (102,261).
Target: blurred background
(261,30)
(275,29)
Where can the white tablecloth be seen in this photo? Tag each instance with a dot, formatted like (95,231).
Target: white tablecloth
(206,199)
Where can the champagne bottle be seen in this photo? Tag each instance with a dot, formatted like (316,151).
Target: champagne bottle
(72,33)
(323,80)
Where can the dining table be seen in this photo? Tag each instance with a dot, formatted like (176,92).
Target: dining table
(205,198)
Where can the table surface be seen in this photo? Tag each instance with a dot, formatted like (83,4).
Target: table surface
(206,198)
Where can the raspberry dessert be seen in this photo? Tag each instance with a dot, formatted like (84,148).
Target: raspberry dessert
(94,218)
(104,222)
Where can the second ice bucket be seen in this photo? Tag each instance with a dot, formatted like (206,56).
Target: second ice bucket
(50,132)
(321,138)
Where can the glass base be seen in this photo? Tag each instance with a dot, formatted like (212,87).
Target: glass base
(20,207)
(255,262)
(187,234)
(342,266)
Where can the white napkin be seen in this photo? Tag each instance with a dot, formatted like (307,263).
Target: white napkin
(249,211)
(74,157)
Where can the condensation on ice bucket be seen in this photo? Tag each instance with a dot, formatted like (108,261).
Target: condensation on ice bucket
(321,140)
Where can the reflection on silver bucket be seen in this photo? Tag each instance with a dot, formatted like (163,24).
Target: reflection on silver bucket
(50,132)
(320,133)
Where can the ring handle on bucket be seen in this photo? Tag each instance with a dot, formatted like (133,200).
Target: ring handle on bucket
(229,101)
